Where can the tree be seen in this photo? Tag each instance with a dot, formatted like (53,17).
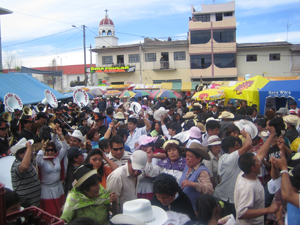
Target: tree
(12,61)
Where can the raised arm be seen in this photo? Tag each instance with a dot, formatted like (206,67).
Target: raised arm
(25,164)
(247,145)
(266,146)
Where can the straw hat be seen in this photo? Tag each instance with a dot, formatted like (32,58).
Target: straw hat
(77,134)
(291,119)
(199,149)
(120,116)
(189,115)
(213,140)
(226,115)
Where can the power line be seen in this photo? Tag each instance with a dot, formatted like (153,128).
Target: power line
(37,38)
(43,18)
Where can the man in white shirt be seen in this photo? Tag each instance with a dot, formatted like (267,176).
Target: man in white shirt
(228,170)
(135,133)
(124,181)
(117,153)
(249,195)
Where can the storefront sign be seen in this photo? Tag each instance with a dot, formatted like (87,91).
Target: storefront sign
(115,69)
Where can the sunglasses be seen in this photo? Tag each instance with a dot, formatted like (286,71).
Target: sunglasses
(49,150)
(117,149)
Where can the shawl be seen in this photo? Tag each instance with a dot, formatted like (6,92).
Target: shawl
(178,165)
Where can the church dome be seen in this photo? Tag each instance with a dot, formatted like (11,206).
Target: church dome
(106,21)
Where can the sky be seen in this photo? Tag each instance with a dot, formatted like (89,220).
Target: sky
(40,31)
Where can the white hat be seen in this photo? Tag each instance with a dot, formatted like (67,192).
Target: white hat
(211,118)
(159,113)
(248,126)
(140,212)
(19,145)
(226,115)
(214,140)
(138,160)
(291,119)
(96,110)
(77,134)
(189,115)
(135,107)
(120,116)
(145,98)
(182,136)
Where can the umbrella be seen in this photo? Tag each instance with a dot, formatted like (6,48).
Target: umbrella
(97,91)
(85,88)
(112,93)
(90,95)
(209,94)
(164,94)
(142,93)
(127,94)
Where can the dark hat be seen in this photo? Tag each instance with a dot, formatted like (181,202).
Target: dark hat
(230,102)
(83,173)
(199,149)
(159,142)
(98,116)
(295,176)
(279,125)
(17,112)
(41,115)
(74,152)
(58,111)
(3,124)
(85,108)
(293,103)
(25,118)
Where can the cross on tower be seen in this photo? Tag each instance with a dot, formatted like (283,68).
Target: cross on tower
(106,11)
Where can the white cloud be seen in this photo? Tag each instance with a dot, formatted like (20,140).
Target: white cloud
(293,37)
(257,4)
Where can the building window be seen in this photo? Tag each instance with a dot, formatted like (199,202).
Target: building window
(224,36)
(107,60)
(150,57)
(135,58)
(251,58)
(200,36)
(219,16)
(179,56)
(226,60)
(274,57)
(200,61)
(203,18)
(228,14)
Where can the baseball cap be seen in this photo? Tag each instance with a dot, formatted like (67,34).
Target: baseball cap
(75,152)
(138,160)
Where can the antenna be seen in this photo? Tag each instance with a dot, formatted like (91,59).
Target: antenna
(287,30)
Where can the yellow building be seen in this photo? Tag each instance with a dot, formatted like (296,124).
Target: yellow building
(212,42)
(154,61)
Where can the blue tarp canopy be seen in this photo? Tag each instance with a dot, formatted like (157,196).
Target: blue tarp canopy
(29,89)
(277,94)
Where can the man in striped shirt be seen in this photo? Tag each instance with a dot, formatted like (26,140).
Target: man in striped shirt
(117,153)
(24,178)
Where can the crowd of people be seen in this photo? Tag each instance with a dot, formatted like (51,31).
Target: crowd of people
(170,161)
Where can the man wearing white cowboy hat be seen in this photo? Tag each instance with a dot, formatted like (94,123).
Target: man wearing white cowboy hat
(25,180)
(124,181)
(76,139)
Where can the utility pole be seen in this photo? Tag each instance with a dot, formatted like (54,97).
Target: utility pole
(84,53)
(287,30)
(91,61)
(140,62)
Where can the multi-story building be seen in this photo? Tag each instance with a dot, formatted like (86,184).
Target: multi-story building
(212,42)
(272,60)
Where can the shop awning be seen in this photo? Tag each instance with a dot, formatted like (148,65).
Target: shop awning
(178,86)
